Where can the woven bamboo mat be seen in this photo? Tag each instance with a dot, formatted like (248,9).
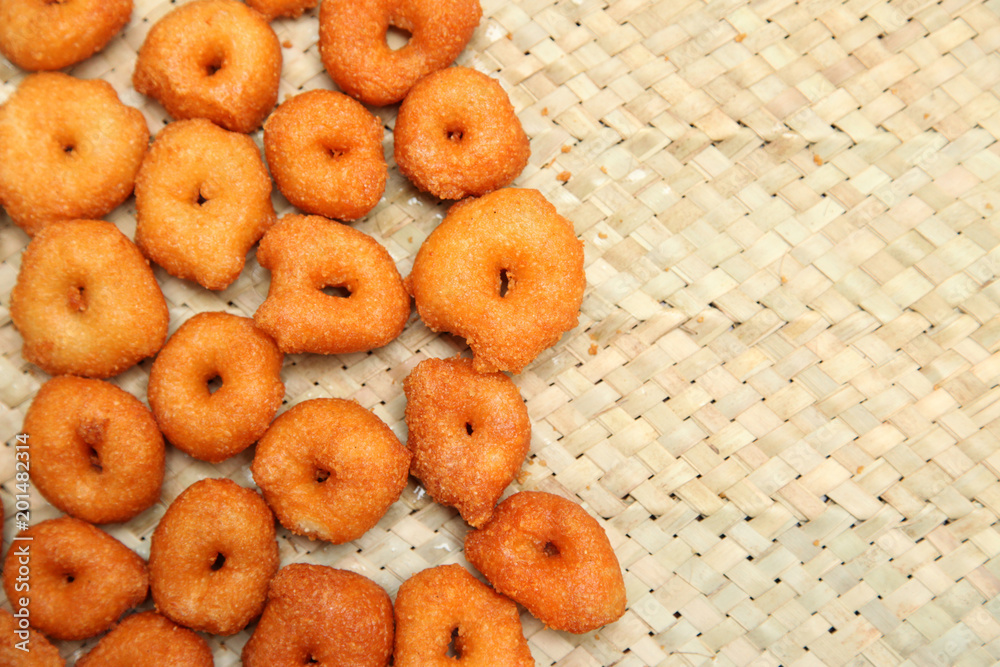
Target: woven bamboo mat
(782,399)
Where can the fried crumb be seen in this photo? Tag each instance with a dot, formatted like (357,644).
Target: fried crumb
(565,149)
(926,116)
(545,111)
(563,176)
(602,235)
(593,350)
(818,160)
(604,169)
(815,543)
(287,43)
(784,279)
(861,469)
(510,35)
(740,37)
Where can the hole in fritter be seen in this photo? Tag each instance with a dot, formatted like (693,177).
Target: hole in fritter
(322,475)
(337,291)
(468,428)
(454,645)
(550,549)
(218,563)
(214,384)
(397,38)
(504,283)
(77,298)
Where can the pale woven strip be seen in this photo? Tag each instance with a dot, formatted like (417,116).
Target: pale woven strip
(782,398)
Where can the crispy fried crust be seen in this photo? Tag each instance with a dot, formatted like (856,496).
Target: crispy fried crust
(469,433)
(82,579)
(202,199)
(457,135)
(52,35)
(547,553)
(212,557)
(325,152)
(212,426)
(149,640)
(445,605)
(15,631)
(272,9)
(214,59)
(86,302)
(306,254)
(458,273)
(318,614)
(96,452)
(69,149)
(329,468)
(354,51)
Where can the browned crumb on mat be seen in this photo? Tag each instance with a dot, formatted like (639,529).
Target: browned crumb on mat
(740,37)
(563,176)
(545,111)
(287,43)
(602,235)
(861,469)
(593,350)
(604,169)
(818,160)
(565,149)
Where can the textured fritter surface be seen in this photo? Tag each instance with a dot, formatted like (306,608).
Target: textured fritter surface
(547,553)
(457,135)
(307,254)
(447,605)
(214,425)
(96,452)
(43,35)
(354,51)
(86,302)
(458,277)
(325,152)
(212,557)
(330,468)
(81,578)
(69,149)
(318,614)
(41,654)
(202,199)
(469,433)
(214,59)
(149,640)
(272,9)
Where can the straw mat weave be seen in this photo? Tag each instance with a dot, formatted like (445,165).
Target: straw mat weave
(782,398)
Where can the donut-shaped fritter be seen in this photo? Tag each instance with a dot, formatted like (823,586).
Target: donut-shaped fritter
(149,640)
(457,135)
(212,426)
(214,59)
(458,277)
(307,254)
(272,9)
(22,646)
(40,35)
(354,51)
(212,556)
(318,614)
(69,149)
(202,199)
(547,553)
(325,152)
(446,607)
(469,433)
(81,579)
(329,468)
(86,302)
(96,452)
